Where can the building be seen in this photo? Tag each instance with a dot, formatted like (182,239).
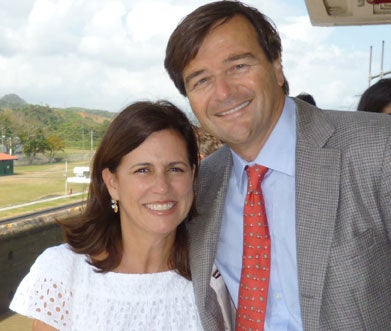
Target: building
(7,164)
(82,175)
(348,12)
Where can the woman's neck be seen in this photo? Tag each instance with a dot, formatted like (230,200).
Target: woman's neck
(146,255)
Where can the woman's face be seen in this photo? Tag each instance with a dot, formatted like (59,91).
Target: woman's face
(387,109)
(153,185)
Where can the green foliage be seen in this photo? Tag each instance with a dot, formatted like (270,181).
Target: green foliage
(55,144)
(38,129)
(34,143)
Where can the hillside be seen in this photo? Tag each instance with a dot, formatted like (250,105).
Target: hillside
(11,100)
(76,127)
(96,115)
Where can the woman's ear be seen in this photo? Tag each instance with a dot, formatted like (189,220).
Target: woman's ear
(193,173)
(111,183)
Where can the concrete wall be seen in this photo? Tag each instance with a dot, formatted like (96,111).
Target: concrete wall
(20,244)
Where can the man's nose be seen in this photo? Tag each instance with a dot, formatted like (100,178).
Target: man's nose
(223,87)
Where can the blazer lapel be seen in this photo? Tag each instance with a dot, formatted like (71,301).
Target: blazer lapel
(204,233)
(317,193)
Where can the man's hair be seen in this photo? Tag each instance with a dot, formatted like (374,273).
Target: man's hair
(187,38)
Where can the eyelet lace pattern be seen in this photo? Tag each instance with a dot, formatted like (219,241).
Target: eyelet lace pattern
(65,292)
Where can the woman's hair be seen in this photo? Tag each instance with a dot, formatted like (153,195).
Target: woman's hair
(97,230)
(187,38)
(376,97)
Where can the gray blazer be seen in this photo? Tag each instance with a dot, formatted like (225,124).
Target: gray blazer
(343,221)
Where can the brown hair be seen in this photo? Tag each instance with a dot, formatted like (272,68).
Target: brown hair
(98,228)
(187,38)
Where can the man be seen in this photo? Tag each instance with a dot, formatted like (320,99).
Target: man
(307,98)
(327,191)
(377,98)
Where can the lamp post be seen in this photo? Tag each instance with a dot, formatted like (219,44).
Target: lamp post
(382,73)
(9,145)
(92,140)
(66,177)
(2,138)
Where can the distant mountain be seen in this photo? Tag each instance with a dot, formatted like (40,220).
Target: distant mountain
(75,126)
(12,100)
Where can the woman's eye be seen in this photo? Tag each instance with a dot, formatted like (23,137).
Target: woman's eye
(176,169)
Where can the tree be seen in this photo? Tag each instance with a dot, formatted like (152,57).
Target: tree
(55,144)
(33,144)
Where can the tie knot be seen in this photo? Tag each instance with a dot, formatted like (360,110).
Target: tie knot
(255,175)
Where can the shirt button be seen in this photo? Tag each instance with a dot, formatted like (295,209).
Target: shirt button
(277,296)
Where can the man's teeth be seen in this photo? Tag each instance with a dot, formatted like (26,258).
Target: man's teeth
(160,206)
(236,108)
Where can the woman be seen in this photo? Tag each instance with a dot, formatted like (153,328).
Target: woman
(125,264)
(377,98)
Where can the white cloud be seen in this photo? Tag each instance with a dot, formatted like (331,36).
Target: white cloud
(314,64)
(160,20)
(106,54)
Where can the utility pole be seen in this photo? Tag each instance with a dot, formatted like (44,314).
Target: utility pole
(92,139)
(2,138)
(382,72)
(10,145)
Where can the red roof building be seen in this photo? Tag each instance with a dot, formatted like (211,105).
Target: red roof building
(7,164)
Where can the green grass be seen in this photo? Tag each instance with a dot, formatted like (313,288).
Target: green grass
(38,182)
(41,206)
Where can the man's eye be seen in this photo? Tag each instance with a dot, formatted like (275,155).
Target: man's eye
(142,170)
(200,82)
(240,66)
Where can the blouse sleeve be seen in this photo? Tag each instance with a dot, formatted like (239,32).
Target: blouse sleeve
(44,293)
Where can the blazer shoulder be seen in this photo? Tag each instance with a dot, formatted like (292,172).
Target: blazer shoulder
(362,129)
(341,128)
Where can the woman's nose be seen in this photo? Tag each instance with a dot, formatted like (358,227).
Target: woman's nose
(161,183)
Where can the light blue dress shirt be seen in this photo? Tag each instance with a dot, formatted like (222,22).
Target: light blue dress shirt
(278,187)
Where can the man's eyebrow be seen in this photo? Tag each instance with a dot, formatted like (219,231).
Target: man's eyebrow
(235,57)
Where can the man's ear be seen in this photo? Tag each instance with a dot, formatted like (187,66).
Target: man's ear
(111,183)
(278,71)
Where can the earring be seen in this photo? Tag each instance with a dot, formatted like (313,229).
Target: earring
(114,205)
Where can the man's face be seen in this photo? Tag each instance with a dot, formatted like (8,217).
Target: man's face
(234,91)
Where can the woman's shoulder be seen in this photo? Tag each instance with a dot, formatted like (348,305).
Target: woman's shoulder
(62,250)
(49,285)
(57,259)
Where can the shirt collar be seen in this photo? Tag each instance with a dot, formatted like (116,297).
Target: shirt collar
(278,153)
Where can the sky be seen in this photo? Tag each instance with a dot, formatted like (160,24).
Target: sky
(106,54)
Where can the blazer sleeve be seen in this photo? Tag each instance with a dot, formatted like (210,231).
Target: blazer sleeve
(385,188)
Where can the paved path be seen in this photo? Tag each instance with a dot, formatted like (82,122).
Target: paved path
(38,201)
(15,322)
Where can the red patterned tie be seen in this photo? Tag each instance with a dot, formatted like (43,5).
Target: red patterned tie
(254,281)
